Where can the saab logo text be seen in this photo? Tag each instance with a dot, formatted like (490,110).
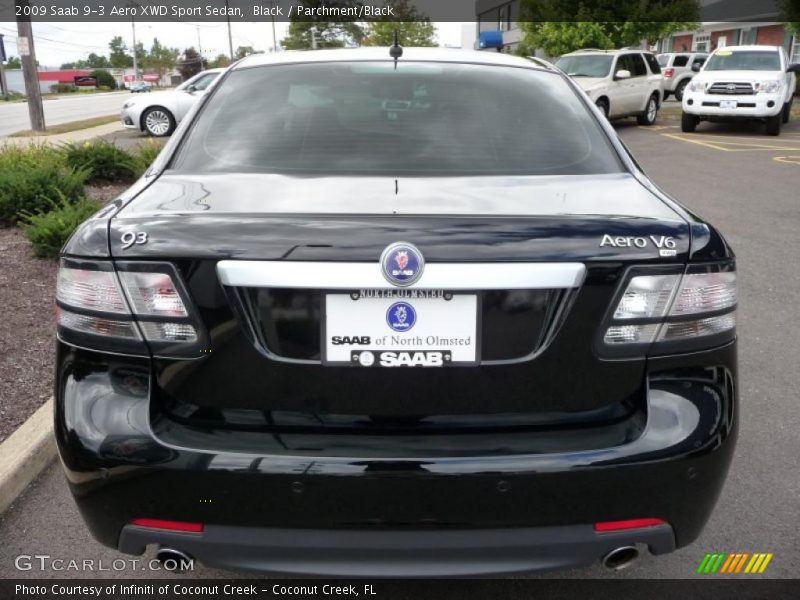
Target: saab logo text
(736,563)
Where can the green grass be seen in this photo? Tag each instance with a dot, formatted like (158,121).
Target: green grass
(68,127)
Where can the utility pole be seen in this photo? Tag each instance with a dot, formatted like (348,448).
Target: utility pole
(135,59)
(272,15)
(3,83)
(28,56)
(230,36)
(199,46)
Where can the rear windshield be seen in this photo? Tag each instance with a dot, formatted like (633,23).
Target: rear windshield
(592,65)
(744,60)
(663,60)
(420,118)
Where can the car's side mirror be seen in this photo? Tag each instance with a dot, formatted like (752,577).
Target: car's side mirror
(622,74)
(696,67)
(191,88)
(793,68)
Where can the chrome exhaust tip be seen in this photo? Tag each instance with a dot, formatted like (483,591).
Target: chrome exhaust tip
(620,558)
(174,560)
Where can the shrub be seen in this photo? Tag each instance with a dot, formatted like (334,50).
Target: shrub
(146,153)
(62,88)
(104,78)
(103,160)
(29,177)
(49,229)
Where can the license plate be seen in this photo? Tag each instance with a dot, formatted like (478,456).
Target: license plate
(404,328)
(727,103)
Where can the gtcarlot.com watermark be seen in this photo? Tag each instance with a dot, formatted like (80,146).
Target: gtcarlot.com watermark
(45,562)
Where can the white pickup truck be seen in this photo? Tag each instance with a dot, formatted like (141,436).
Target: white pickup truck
(742,82)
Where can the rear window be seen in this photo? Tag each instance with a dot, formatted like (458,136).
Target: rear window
(680,61)
(420,118)
(744,60)
(663,60)
(652,63)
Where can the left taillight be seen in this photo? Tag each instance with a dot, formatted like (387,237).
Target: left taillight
(129,307)
(668,73)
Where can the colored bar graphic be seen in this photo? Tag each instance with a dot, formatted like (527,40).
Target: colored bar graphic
(734,563)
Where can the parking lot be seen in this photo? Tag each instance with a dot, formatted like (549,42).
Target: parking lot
(748,185)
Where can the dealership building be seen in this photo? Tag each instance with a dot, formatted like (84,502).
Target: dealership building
(723,23)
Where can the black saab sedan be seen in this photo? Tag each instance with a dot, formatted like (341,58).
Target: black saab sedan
(408,313)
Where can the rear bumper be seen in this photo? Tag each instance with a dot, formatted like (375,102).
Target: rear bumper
(348,515)
(421,553)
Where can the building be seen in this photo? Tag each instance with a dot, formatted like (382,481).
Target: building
(723,23)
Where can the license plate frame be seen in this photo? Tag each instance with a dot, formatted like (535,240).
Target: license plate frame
(387,298)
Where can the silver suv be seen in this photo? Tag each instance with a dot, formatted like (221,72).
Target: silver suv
(678,69)
(622,83)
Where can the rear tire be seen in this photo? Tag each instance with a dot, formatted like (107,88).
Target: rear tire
(774,124)
(688,123)
(650,114)
(787,110)
(158,121)
(602,104)
(679,90)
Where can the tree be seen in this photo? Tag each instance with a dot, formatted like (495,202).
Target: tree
(14,63)
(790,13)
(118,57)
(104,78)
(161,59)
(95,61)
(190,64)
(326,34)
(220,61)
(243,51)
(560,26)
(413,28)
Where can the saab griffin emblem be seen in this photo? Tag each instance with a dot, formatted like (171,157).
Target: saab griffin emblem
(401,316)
(402,264)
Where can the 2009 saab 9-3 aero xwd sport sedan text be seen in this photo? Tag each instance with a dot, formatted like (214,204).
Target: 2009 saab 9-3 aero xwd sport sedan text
(415,315)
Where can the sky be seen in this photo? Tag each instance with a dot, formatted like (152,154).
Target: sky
(58,43)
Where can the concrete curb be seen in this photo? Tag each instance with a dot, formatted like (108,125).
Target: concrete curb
(25,453)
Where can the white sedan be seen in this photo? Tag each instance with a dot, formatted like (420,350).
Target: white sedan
(159,114)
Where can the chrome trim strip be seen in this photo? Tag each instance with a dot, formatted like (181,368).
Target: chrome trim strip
(439,276)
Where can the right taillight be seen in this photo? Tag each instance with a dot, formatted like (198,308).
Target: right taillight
(129,307)
(674,310)
(668,73)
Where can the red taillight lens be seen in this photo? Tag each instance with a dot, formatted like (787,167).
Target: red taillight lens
(169,525)
(608,526)
(668,73)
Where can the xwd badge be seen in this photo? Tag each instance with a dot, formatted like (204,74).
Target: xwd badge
(402,264)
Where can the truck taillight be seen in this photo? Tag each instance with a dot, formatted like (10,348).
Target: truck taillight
(675,310)
(668,73)
(129,308)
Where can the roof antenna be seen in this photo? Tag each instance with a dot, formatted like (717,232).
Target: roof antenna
(396,50)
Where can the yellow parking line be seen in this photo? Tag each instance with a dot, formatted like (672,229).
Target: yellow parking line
(684,138)
(791,160)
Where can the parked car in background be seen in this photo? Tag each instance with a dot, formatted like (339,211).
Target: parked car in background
(159,114)
(622,83)
(677,70)
(742,82)
(382,314)
(138,87)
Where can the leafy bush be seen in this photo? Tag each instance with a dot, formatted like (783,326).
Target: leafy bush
(146,153)
(104,79)
(49,229)
(62,88)
(104,161)
(30,176)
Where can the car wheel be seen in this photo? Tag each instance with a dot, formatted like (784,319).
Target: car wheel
(648,117)
(158,121)
(679,90)
(774,124)
(688,122)
(787,110)
(602,104)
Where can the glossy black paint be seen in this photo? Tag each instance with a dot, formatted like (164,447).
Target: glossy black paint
(121,467)
(572,436)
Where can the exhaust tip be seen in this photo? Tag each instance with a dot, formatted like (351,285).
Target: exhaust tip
(620,558)
(174,560)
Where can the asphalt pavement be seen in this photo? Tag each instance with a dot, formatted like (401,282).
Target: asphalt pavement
(64,109)
(748,185)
